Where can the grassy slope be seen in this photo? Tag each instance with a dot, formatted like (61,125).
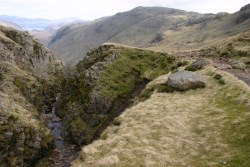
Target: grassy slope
(235,47)
(203,127)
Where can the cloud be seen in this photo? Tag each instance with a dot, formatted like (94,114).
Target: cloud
(93,9)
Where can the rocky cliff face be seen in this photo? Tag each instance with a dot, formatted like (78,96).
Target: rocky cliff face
(28,77)
(28,54)
(104,84)
(244,14)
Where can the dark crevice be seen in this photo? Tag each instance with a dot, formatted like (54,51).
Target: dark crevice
(123,105)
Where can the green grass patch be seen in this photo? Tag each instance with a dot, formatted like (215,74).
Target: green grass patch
(220,79)
(130,68)
(236,130)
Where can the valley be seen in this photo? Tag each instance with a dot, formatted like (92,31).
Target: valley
(152,86)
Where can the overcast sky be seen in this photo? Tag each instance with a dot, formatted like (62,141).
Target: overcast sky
(92,9)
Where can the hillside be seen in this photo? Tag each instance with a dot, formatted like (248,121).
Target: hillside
(201,127)
(157,28)
(103,86)
(153,86)
(29,80)
(9,24)
(46,34)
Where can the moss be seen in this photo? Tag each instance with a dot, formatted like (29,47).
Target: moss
(145,94)
(178,64)
(44,162)
(78,124)
(132,65)
(192,68)
(41,92)
(47,141)
(220,79)
(89,105)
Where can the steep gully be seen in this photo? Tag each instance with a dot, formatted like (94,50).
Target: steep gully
(65,151)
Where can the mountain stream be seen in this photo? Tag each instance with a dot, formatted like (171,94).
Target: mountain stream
(64,152)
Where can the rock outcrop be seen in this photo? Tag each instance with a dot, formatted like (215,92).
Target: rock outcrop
(103,86)
(198,64)
(28,83)
(238,65)
(244,14)
(184,80)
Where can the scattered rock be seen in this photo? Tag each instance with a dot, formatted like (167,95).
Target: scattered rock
(238,65)
(184,80)
(48,116)
(8,135)
(56,119)
(199,64)
(222,66)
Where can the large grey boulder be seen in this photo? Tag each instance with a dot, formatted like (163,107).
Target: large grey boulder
(184,80)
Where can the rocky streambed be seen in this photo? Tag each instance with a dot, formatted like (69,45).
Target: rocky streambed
(64,152)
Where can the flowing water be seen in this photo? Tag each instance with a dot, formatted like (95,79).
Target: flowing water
(64,152)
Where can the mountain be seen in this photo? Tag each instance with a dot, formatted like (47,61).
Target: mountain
(42,29)
(158,28)
(179,96)
(29,80)
(36,23)
(45,35)
(10,24)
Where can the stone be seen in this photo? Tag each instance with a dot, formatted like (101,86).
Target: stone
(8,135)
(56,119)
(238,65)
(198,64)
(184,80)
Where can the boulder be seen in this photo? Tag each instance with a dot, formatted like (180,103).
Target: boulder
(184,80)
(199,64)
(238,65)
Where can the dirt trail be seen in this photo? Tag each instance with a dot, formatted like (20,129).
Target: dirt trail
(241,74)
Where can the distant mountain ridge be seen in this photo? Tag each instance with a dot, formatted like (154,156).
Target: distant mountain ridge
(157,28)
(36,23)
(9,24)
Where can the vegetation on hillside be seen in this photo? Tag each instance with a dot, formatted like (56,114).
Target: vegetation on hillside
(157,28)
(29,80)
(202,127)
(104,85)
(234,48)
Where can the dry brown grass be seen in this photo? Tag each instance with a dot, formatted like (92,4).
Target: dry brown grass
(169,129)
